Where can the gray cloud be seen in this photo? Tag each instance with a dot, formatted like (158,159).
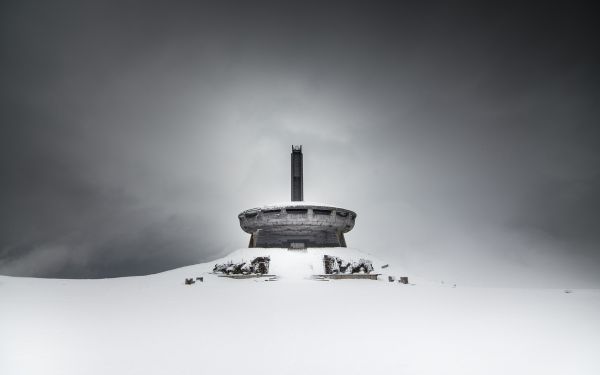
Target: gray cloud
(464,137)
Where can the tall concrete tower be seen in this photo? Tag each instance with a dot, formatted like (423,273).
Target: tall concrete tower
(297,174)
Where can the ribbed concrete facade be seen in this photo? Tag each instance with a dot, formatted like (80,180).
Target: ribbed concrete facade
(297,225)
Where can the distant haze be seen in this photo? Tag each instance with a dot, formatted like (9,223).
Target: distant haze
(465,137)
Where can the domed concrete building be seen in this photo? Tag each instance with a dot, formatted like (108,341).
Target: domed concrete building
(297,224)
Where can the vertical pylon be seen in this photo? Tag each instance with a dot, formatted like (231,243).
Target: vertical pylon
(297,174)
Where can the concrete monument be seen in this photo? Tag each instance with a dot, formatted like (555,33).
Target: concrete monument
(297,224)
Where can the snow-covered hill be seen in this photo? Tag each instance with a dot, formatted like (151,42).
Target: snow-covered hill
(157,325)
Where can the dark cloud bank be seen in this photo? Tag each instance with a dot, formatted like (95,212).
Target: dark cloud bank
(465,136)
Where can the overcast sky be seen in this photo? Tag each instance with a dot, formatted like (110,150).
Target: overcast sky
(465,137)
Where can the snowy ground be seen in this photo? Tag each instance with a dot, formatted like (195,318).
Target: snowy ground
(156,325)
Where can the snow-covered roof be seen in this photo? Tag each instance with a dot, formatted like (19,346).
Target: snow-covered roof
(297,204)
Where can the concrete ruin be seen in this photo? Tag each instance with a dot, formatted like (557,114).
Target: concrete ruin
(297,224)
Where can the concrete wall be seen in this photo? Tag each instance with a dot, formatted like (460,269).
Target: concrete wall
(284,236)
(313,226)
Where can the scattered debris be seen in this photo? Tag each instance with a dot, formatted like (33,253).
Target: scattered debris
(261,265)
(258,266)
(335,265)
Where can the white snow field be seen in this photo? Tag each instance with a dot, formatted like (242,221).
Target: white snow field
(157,325)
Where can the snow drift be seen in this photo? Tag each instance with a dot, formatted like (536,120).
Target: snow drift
(156,324)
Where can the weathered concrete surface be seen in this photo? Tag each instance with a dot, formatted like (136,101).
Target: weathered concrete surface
(291,225)
(297,174)
(349,276)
